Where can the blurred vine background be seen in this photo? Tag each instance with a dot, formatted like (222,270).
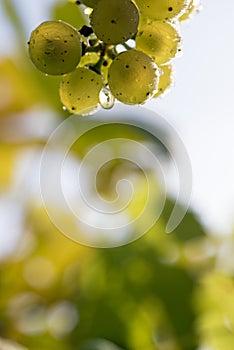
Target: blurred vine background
(165,292)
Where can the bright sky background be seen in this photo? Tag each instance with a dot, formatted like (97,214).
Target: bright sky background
(199,107)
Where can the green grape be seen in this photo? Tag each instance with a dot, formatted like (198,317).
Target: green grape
(162,9)
(158,39)
(166,79)
(115,21)
(133,77)
(79,91)
(192,8)
(55,47)
(90,3)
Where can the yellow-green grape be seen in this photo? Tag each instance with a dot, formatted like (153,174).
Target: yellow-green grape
(90,3)
(79,91)
(162,9)
(158,39)
(115,21)
(133,77)
(55,47)
(193,7)
(166,79)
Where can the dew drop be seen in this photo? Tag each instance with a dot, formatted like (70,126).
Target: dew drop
(160,72)
(88,11)
(120,48)
(131,43)
(106,99)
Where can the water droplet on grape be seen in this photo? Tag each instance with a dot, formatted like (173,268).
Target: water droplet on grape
(131,43)
(88,11)
(120,48)
(160,72)
(64,108)
(106,99)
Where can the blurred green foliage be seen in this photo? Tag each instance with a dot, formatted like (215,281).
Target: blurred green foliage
(163,292)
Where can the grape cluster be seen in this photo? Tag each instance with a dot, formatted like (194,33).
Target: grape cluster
(124,53)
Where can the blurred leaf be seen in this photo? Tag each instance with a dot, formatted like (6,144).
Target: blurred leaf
(7,156)
(18,92)
(10,345)
(215,305)
(103,132)
(190,227)
(99,344)
(124,294)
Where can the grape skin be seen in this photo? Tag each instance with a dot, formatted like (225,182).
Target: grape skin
(90,3)
(166,79)
(162,9)
(160,40)
(55,47)
(79,91)
(115,21)
(133,77)
(192,8)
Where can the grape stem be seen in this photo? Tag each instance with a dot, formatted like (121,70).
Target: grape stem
(106,52)
(127,46)
(97,67)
